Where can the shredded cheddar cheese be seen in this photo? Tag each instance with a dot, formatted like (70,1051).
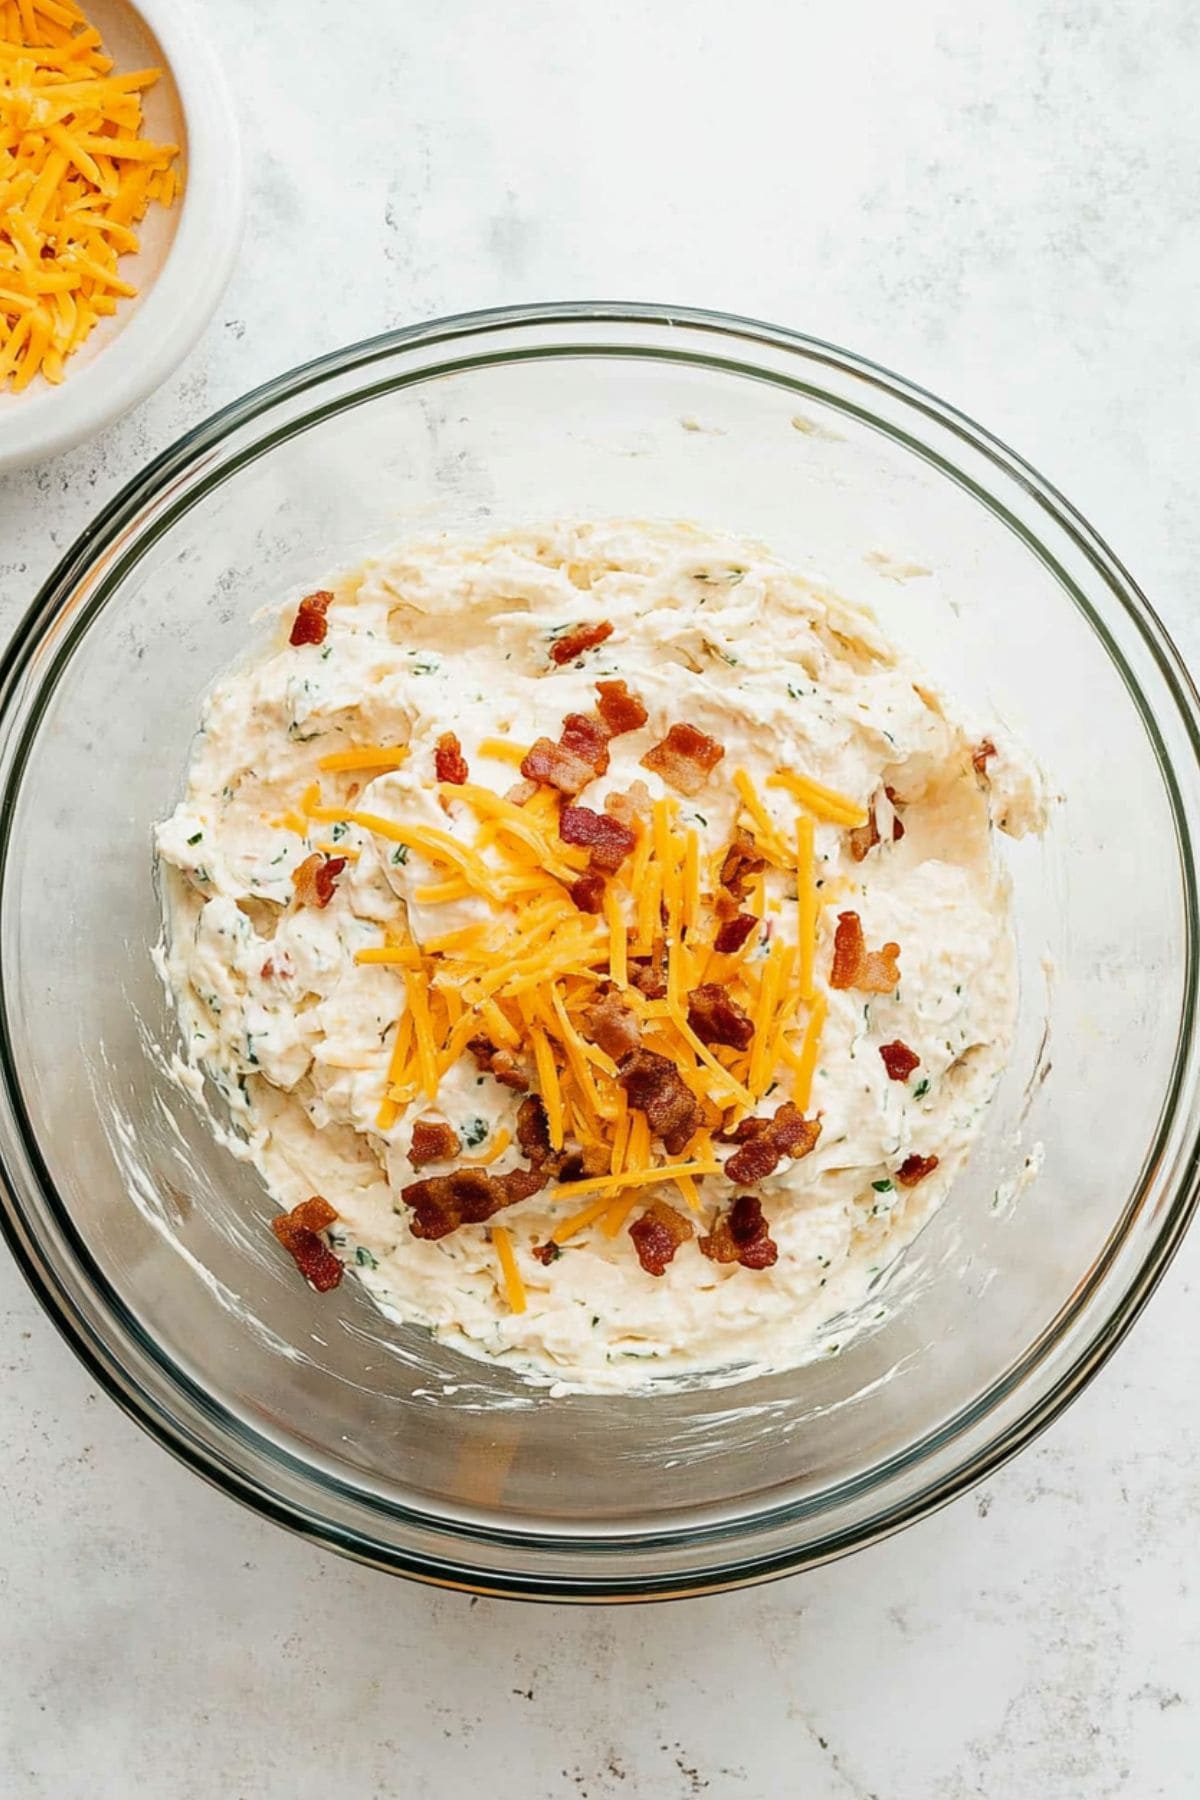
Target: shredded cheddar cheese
(806,900)
(75,177)
(825,802)
(376,757)
(514,1287)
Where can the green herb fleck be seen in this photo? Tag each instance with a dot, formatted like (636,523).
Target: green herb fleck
(473,1132)
(340,830)
(882,1187)
(364,1259)
(921,1089)
(195,838)
(400,853)
(201,874)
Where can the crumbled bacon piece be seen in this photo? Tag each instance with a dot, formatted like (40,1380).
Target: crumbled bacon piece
(587,891)
(899,1060)
(981,755)
(915,1168)
(501,1064)
(620,710)
(632,805)
(582,1165)
(449,762)
(716,1018)
(610,1024)
(533,1131)
(854,966)
(441,1203)
(609,841)
(743,1131)
(654,1085)
(584,736)
(733,933)
(741,861)
(433,1140)
(742,1235)
(685,758)
(580,755)
(550,764)
(573,643)
(658,1234)
(546,1253)
(310,624)
(648,973)
(297,1232)
(789,1133)
(268,970)
(521,792)
(315,879)
(864,838)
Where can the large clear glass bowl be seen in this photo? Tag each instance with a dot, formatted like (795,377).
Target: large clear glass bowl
(148,1242)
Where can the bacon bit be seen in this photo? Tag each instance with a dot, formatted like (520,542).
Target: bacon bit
(587,891)
(864,838)
(442,1203)
(742,1132)
(897,821)
(266,973)
(546,1253)
(631,806)
(433,1140)
(310,624)
(648,973)
(685,758)
(658,1234)
(716,1018)
(915,1168)
(297,1232)
(578,757)
(981,755)
(611,1024)
(789,1133)
(315,879)
(854,966)
(654,1085)
(741,861)
(733,933)
(501,1064)
(619,710)
(521,792)
(742,1235)
(449,761)
(584,736)
(533,1131)
(574,642)
(584,1165)
(609,841)
(899,1060)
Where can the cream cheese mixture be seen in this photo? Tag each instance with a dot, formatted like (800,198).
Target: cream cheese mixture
(751,877)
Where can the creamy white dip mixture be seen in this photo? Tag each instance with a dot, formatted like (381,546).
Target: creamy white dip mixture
(301,1038)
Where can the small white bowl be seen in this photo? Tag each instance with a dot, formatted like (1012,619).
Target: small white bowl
(187,250)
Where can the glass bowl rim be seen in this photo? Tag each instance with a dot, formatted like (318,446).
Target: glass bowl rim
(101,1351)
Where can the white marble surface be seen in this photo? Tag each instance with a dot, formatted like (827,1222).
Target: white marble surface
(998,199)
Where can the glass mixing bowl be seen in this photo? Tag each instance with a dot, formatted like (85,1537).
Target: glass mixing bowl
(149,1244)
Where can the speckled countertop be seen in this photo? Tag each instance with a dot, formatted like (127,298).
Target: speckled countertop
(1000,201)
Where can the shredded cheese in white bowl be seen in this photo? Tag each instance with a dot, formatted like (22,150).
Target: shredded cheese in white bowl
(148,169)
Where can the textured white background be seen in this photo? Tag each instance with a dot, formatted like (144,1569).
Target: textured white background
(998,198)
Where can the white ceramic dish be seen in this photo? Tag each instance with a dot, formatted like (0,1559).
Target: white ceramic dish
(187,250)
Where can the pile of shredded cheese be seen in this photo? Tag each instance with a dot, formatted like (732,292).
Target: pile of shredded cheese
(527,980)
(75,177)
